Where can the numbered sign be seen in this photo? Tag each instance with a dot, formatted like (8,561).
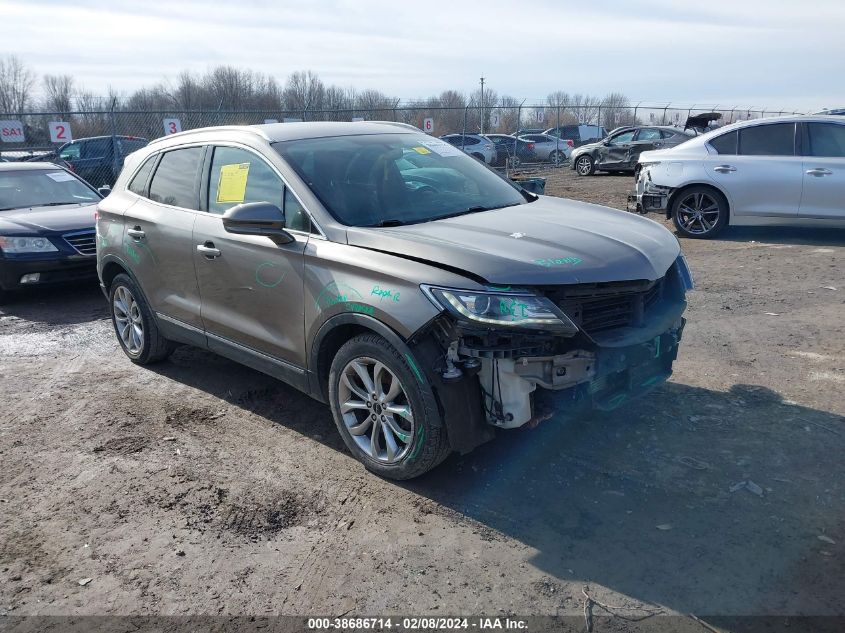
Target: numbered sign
(266,121)
(11,132)
(495,119)
(428,126)
(541,115)
(59,132)
(172,126)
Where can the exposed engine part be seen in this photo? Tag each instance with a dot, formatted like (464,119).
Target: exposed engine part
(507,384)
(452,373)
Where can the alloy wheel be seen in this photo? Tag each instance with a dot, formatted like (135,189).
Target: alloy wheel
(698,213)
(584,165)
(376,410)
(128,320)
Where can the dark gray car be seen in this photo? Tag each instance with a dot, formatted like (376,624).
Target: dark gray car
(621,150)
(426,299)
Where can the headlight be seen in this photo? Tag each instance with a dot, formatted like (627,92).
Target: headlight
(504,309)
(14,245)
(685,273)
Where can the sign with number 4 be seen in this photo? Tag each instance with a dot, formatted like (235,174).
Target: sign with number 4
(60,132)
(172,126)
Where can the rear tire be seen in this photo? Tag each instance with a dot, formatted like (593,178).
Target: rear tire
(385,409)
(557,157)
(585,165)
(135,324)
(699,212)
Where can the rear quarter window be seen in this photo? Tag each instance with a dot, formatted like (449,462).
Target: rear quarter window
(724,144)
(175,180)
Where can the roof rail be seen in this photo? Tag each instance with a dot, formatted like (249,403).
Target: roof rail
(397,124)
(217,128)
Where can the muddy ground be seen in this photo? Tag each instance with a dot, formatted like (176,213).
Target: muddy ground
(202,487)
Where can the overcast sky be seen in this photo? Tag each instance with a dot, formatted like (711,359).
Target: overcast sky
(774,53)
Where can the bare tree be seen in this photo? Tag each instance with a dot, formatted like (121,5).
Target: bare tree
(303,91)
(616,111)
(59,92)
(16,81)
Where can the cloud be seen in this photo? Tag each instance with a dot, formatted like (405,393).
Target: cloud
(778,52)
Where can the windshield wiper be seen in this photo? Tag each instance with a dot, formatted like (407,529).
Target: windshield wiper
(388,222)
(475,209)
(57,204)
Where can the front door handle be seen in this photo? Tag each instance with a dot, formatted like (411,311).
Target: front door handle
(208,250)
(818,171)
(724,169)
(135,233)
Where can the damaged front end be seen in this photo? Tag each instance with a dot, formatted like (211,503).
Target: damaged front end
(533,351)
(648,196)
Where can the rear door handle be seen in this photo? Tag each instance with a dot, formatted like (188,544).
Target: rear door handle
(819,171)
(208,250)
(135,233)
(724,169)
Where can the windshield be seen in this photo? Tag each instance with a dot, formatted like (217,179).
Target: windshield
(391,179)
(36,188)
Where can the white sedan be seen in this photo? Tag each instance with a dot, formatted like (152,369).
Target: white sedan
(782,170)
(550,148)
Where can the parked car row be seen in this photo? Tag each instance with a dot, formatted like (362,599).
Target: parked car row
(507,149)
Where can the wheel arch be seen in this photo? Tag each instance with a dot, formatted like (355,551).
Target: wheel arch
(707,185)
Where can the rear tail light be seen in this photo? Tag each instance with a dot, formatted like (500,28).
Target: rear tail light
(96,214)
(531,147)
(570,142)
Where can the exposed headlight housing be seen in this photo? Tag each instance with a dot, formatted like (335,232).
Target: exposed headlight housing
(520,310)
(20,245)
(685,273)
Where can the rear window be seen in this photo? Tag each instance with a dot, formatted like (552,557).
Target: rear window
(724,144)
(175,179)
(96,148)
(768,140)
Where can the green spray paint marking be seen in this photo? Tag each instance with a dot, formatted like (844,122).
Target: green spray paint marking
(334,293)
(500,288)
(657,347)
(418,448)
(133,254)
(513,307)
(359,307)
(268,284)
(558,261)
(415,369)
(385,293)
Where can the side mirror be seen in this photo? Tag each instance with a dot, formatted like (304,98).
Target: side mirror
(257,218)
(104,190)
(606,142)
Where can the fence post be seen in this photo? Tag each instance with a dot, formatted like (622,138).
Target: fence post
(114,152)
(636,107)
(464,133)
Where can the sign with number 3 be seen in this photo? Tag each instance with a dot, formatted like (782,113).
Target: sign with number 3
(172,126)
(60,132)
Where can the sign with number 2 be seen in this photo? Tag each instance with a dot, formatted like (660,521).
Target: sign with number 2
(172,126)
(60,132)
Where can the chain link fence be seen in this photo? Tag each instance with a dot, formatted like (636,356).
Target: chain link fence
(109,135)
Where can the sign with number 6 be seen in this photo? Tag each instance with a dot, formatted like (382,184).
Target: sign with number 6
(428,126)
(172,126)
(60,132)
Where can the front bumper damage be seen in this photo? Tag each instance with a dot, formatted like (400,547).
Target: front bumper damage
(648,196)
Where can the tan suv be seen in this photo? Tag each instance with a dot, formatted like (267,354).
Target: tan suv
(422,296)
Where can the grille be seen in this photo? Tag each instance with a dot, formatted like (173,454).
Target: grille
(607,306)
(84,242)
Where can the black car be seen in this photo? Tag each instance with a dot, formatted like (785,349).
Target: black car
(621,150)
(46,226)
(511,150)
(99,159)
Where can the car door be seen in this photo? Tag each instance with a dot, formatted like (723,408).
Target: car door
(251,287)
(158,227)
(757,167)
(615,153)
(824,170)
(646,139)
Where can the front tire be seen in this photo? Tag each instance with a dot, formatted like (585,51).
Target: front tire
(699,212)
(385,410)
(585,165)
(135,324)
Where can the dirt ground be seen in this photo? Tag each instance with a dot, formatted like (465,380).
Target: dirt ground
(201,487)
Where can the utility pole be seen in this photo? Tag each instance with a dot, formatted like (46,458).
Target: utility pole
(482,104)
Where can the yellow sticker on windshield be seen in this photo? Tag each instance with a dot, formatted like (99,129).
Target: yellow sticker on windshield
(232,184)
(422,150)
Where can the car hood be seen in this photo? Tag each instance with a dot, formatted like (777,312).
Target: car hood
(49,219)
(547,242)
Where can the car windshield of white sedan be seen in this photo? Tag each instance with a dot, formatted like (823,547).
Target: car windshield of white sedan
(394,179)
(42,188)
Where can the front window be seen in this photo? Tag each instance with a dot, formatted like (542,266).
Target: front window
(391,179)
(624,137)
(39,188)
